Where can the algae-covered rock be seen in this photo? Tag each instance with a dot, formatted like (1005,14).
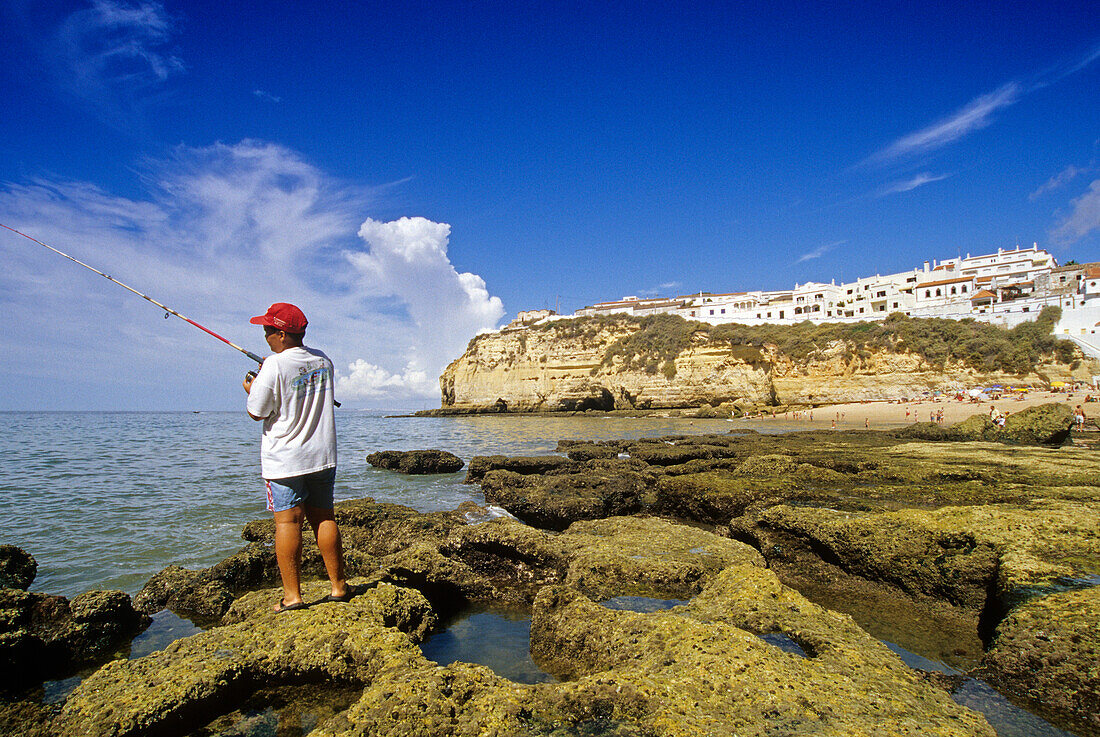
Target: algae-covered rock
(1048,652)
(703,668)
(369,530)
(957,554)
(629,556)
(1047,424)
(555,501)
(416,461)
(525,465)
(975,427)
(588,452)
(17,568)
(44,636)
(182,687)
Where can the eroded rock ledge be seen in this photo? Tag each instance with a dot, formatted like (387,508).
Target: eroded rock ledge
(999,542)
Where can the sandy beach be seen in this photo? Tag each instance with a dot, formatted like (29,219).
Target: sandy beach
(898,413)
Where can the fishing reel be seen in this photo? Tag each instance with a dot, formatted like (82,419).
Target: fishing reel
(249,375)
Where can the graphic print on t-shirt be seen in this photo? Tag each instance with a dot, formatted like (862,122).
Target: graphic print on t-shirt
(311,379)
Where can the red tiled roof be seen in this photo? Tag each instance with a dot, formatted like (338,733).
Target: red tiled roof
(944,281)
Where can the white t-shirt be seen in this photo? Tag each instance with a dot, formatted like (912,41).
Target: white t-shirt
(293,392)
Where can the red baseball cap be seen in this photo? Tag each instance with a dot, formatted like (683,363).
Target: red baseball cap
(283,316)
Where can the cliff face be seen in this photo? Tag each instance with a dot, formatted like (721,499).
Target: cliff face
(547,369)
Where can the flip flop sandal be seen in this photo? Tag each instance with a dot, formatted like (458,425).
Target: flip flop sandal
(284,607)
(341,599)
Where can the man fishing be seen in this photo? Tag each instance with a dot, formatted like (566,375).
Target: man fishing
(293,396)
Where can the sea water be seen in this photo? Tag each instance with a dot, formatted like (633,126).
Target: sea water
(104,500)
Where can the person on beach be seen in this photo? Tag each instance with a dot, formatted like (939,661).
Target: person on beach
(293,396)
(1079,417)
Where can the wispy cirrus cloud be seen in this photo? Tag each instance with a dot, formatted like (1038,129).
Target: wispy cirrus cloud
(907,185)
(1082,220)
(266,96)
(1057,181)
(115,55)
(975,115)
(819,251)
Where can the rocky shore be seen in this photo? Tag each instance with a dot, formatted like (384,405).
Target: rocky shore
(983,544)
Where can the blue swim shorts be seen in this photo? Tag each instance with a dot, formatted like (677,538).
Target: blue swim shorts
(311,489)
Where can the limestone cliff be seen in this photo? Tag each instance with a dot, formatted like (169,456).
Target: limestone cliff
(606,364)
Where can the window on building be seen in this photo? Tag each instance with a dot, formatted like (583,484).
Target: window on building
(938,292)
(781,314)
(723,311)
(953,290)
(712,312)
(927,292)
(895,305)
(964,289)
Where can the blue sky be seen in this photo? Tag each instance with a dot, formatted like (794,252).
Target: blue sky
(411,173)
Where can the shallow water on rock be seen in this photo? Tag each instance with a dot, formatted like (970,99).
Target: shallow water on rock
(165,629)
(643,604)
(283,712)
(499,639)
(784,643)
(1007,719)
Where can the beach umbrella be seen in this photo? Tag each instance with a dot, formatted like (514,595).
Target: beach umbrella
(975,393)
(1056,384)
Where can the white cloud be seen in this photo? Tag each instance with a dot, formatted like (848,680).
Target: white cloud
(907,185)
(1084,219)
(975,115)
(225,231)
(266,96)
(407,258)
(1060,179)
(818,252)
(113,55)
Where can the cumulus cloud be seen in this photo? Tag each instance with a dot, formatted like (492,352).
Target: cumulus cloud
(403,257)
(1083,220)
(114,55)
(223,232)
(1057,181)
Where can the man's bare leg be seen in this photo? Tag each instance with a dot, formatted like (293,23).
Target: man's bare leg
(323,522)
(288,552)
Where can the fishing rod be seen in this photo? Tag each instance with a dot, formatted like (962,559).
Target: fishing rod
(167,310)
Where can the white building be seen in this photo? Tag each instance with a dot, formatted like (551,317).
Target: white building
(1005,288)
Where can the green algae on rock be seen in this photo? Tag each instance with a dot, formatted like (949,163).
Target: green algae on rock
(1053,639)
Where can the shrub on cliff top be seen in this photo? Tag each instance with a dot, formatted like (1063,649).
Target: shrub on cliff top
(658,339)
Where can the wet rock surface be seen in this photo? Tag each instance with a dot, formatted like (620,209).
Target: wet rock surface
(755,533)
(17,568)
(1052,640)
(416,461)
(44,636)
